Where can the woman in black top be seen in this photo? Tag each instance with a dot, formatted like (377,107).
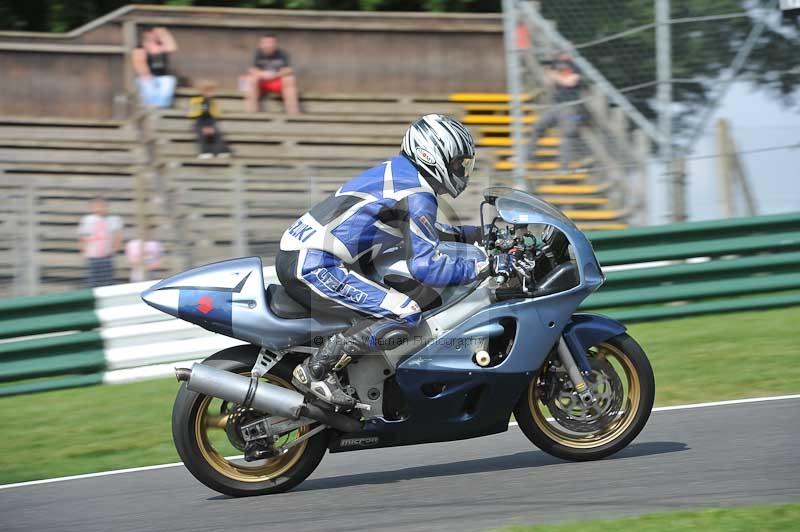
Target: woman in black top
(151,63)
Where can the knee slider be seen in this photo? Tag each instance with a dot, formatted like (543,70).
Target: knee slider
(393,339)
(388,335)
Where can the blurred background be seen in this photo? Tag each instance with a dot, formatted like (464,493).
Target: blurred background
(683,111)
(137,141)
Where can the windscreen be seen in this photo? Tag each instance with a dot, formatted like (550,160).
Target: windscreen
(518,207)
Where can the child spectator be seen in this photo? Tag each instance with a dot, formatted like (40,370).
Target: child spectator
(143,257)
(100,238)
(205,110)
(270,73)
(150,59)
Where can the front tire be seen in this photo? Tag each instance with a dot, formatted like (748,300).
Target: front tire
(199,433)
(551,417)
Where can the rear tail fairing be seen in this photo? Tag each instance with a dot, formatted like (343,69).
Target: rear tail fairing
(229,298)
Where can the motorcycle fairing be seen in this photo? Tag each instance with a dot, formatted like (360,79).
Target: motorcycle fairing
(474,401)
(211,309)
(229,298)
(493,391)
(586,330)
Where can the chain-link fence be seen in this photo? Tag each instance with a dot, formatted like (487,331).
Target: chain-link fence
(660,67)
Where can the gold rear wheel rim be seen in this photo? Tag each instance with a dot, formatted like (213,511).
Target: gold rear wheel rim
(259,471)
(609,432)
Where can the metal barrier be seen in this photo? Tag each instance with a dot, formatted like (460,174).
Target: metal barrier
(108,335)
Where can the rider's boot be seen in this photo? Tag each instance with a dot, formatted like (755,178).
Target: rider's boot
(316,375)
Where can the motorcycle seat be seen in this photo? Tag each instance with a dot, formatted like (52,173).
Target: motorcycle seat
(282,305)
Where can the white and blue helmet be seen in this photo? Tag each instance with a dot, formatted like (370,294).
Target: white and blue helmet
(443,151)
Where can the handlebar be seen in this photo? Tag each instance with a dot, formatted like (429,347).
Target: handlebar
(502,267)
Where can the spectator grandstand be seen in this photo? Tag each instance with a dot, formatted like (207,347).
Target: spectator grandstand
(144,161)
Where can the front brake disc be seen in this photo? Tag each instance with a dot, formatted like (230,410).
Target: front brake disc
(569,411)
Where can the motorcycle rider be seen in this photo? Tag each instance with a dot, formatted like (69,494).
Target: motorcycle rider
(324,253)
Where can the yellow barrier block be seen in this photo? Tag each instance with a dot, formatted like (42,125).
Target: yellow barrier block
(577,176)
(494,107)
(494,141)
(575,200)
(549,141)
(592,215)
(602,226)
(500,129)
(496,119)
(540,165)
(540,152)
(507,141)
(569,189)
(544,165)
(484,97)
(549,176)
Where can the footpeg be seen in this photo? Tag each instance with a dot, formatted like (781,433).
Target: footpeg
(362,406)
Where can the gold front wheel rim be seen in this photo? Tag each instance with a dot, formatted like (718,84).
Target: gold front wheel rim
(608,433)
(259,471)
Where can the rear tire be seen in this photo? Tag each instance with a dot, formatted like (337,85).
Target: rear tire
(557,440)
(238,478)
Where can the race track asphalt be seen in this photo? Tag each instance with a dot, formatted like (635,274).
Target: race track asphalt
(717,456)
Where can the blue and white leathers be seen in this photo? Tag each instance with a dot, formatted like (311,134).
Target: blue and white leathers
(384,206)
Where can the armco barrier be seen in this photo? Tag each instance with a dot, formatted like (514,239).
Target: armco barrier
(108,335)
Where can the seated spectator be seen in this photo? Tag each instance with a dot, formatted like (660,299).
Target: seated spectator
(154,79)
(270,73)
(100,238)
(205,110)
(143,257)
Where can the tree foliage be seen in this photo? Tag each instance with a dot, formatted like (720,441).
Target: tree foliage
(64,15)
(702,48)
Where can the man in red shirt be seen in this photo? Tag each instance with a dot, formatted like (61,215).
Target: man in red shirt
(270,73)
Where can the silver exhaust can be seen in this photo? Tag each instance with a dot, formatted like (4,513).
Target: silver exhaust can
(242,390)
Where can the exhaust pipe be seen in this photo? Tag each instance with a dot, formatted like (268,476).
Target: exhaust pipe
(260,395)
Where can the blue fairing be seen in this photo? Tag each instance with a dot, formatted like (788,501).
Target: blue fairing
(210,309)
(586,330)
(494,390)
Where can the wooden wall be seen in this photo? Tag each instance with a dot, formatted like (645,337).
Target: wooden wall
(59,84)
(79,73)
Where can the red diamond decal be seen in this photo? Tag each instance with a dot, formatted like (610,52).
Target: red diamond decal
(205,305)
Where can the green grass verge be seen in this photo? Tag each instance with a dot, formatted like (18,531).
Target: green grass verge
(725,356)
(99,428)
(744,519)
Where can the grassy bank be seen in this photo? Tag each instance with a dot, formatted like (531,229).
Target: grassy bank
(110,427)
(745,519)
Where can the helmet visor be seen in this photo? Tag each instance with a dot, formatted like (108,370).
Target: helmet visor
(461,167)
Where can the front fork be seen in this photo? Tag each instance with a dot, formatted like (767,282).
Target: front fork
(576,375)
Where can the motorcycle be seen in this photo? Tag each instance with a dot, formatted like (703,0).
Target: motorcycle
(579,387)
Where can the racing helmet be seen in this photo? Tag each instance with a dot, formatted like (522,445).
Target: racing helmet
(443,151)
